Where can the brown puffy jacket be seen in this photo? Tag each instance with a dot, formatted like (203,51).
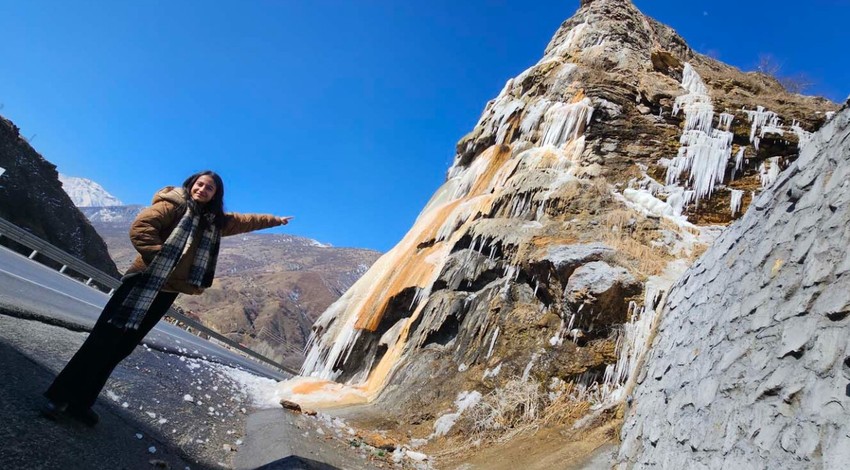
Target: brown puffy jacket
(155,223)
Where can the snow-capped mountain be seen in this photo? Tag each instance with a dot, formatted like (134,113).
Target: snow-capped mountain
(87,193)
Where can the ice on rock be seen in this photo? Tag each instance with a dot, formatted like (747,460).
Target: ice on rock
(692,82)
(769,171)
(565,122)
(735,201)
(725,120)
(492,373)
(633,342)
(570,41)
(527,371)
(739,162)
(704,151)
(762,122)
(493,342)
(651,204)
(803,136)
(533,116)
(464,401)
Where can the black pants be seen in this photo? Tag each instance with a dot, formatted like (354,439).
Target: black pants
(82,379)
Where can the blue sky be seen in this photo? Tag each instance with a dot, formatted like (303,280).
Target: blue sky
(343,114)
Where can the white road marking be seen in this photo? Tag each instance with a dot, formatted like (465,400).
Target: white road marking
(50,289)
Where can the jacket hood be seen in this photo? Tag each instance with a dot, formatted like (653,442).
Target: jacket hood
(173,194)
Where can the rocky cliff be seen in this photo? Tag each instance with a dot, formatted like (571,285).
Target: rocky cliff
(269,289)
(31,197)
(751,364)
(589,184)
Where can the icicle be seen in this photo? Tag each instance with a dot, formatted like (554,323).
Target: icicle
(692,82)
(739,162)
(565,122)
(493,342)
(769,171)
(735,201)
(803,136)
(704,151)
(725,120)
(527,370)
(763,122)
(704,156)
(533,115)
(556,339)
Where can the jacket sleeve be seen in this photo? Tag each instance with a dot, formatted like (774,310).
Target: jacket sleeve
(241,223)
(147,232)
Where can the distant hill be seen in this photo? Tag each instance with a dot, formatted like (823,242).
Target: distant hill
(86,193)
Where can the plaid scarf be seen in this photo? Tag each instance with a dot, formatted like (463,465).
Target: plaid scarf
(134,307)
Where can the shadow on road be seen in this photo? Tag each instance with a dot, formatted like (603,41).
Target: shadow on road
(29,441)
(294,462)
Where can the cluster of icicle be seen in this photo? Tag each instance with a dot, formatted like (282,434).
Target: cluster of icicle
(705,150)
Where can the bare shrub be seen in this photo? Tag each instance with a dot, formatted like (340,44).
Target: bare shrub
(768,65)
(507,410)
(798,83)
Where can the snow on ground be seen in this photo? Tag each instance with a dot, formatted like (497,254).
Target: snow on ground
(260,391)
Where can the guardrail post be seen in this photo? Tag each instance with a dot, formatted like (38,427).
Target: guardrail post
(64,267)
(111,291)
(32,255)
(88,283)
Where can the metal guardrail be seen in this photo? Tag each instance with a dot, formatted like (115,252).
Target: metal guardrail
(67,260)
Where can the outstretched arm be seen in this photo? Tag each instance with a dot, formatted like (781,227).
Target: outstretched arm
(241,223)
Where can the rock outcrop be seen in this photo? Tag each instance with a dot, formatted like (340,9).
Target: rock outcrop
(32,198)
(588,185)
(750,365)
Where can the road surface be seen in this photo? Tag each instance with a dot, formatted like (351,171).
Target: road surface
(34,289)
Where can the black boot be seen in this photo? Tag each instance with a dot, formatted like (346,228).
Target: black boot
(52,410)
(86,416)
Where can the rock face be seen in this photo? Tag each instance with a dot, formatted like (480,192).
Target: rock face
(750,367)
(31,197)
(585,188)
(269,289)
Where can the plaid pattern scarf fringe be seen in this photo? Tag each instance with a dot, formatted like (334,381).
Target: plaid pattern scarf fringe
(134,307)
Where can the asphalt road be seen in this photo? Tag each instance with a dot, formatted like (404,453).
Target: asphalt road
(38,291)
(178,404)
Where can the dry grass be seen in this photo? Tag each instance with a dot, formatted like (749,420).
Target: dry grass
(618,219)
(638,257)
(565,410)
(507,411)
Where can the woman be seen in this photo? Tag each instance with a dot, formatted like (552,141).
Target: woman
(177,238)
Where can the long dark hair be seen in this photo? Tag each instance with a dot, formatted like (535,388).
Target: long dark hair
(216,204)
